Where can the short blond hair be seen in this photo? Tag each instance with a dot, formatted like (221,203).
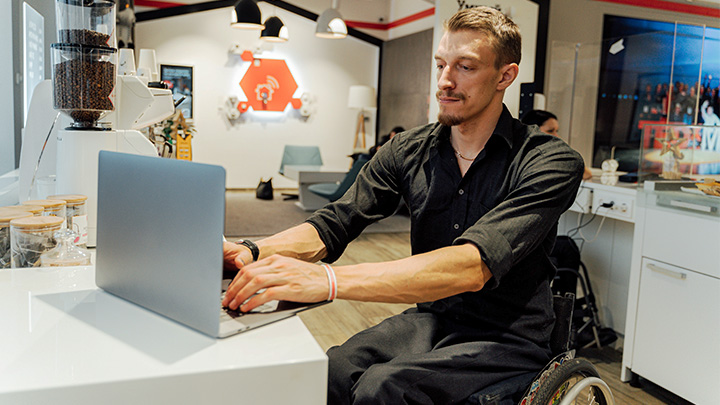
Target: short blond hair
(503,33)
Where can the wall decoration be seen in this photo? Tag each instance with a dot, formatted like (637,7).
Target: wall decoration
(180,80)
(268,85)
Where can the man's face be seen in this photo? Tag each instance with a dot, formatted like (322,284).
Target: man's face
(467,77)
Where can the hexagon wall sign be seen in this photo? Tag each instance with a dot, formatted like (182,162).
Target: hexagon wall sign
(268,85)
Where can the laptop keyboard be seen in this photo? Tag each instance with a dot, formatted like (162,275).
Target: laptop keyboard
(227,313)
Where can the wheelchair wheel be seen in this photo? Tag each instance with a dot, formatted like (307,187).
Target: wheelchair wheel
(560,382)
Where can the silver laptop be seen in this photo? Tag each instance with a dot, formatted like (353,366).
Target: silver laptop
(159,242)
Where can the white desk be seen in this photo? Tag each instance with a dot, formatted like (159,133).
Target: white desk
(307,175)
(63,341)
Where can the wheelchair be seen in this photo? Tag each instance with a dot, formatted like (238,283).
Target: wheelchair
(565,379)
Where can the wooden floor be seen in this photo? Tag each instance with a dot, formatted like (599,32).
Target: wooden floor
(334,323)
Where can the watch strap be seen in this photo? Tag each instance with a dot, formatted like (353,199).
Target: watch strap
(252,246)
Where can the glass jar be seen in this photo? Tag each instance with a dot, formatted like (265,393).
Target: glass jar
(30,237)
(50,207)
(7,215)
(36,210)
(66,252)
(75,215)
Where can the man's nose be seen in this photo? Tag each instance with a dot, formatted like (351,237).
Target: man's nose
(445,79)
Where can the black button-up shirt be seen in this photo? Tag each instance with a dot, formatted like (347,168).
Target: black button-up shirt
(507,205)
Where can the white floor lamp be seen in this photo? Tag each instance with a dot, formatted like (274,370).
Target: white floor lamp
(361,97)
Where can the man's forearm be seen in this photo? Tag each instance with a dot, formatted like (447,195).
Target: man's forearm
(299,242)
(420,278)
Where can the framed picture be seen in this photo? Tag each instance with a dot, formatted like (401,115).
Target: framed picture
(180,80)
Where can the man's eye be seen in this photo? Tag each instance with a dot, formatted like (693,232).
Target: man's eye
(466,68)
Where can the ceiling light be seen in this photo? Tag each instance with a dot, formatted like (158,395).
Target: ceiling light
(330,24)
(275,30)
(246,15)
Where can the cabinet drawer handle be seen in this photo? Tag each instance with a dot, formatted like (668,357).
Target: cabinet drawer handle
(674,274)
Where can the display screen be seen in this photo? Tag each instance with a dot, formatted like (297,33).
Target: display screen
(180,80)
(654,72)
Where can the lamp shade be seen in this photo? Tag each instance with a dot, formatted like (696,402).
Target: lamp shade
(246,15)
(330,24)
(361,97)
(275,30)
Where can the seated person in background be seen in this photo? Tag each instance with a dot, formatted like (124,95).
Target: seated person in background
(545,120)
(396,131)
(485,194)
(548,123)
(383,139)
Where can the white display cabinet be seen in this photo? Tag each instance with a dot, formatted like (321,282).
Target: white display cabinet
(673,319)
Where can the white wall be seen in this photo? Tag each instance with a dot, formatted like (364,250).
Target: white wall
(7,135)
(525,14)
(253,148)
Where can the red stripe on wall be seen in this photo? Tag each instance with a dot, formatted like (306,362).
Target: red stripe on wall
(393,24)
(411,18)
(669,6)
(157,3)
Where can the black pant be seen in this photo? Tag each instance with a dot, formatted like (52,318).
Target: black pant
(421,358)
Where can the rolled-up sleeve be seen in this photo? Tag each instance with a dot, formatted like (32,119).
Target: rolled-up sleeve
(544,185)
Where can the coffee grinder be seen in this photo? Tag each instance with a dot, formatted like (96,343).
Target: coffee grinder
(105,109)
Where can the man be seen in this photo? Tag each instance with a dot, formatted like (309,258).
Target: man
(485,193)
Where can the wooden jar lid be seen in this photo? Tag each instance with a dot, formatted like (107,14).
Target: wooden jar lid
(45,203)
(34,209)
(34,222)
(69,198)
(8,214)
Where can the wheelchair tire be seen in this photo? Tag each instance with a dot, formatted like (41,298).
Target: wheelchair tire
(560,381)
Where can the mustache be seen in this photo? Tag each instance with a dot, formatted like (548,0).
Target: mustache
(441,93)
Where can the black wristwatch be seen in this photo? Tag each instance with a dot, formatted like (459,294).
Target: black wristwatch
(252,246)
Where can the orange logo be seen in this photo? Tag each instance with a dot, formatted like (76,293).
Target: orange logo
(268,85)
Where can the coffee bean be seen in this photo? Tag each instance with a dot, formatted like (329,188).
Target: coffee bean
(83,37)
(83,87)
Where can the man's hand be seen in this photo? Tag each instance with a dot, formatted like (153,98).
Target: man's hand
(283,278)
(235,256)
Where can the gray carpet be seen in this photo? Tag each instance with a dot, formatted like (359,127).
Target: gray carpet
(246,216)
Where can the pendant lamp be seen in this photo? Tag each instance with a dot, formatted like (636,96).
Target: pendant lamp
(275,30)
(330,24)
(246,15)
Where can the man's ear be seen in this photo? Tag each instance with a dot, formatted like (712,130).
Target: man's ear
(508,74)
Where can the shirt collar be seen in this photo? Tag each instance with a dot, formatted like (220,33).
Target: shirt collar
(503,129)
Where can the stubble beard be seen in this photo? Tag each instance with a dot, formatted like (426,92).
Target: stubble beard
(449,119)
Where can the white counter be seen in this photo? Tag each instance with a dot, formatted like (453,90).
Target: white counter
(63,341)
(607,252)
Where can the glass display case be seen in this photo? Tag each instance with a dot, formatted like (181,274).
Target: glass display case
(673,152)
(641,74)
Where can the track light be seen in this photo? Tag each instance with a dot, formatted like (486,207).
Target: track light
(330,24)
(246,15)
(275,30)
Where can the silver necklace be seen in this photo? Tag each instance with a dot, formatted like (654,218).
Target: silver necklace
(463,157)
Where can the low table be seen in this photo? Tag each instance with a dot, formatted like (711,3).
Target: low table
(307,175)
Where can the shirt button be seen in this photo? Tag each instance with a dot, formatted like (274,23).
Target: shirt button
(456,226)
(461,191)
